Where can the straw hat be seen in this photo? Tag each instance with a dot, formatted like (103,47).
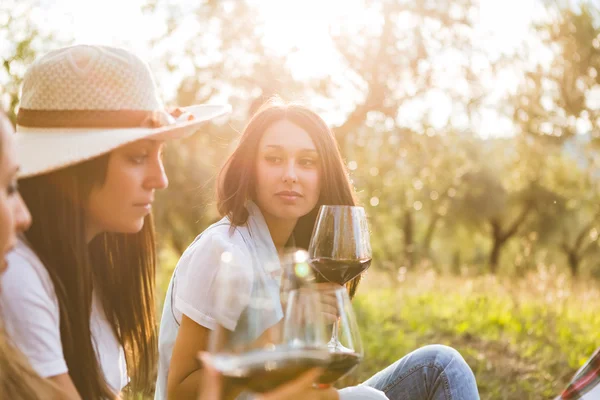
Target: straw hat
(80,102)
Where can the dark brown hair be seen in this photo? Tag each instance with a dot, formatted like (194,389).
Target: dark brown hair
(119,269)
(236,180)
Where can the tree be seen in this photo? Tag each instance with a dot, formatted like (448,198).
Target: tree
(555,107)
(24,41)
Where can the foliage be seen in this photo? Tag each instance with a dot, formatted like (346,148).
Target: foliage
(523,340)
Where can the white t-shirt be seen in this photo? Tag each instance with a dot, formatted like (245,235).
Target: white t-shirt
(196,285)
(193,289)
(30,311)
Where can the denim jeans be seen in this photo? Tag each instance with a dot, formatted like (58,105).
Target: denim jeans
(432,372)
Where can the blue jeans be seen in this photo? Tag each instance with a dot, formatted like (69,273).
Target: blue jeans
(433,372)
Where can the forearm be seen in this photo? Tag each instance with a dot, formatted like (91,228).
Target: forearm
(186,389)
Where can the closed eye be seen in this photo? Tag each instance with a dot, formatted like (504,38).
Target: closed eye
(140,159)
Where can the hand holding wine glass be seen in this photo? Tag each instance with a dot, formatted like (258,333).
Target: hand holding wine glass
(340,249)
(260,350)
(299,389)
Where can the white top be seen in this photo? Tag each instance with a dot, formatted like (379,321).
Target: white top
(198,278)
(31,315)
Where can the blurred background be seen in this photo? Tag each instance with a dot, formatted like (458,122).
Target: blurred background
(471,129)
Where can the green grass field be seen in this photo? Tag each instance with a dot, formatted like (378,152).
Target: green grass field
(523,338)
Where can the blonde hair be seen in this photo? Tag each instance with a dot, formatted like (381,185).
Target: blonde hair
(18,381)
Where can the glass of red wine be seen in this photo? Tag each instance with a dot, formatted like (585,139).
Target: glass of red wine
(255,344)
(340,249)
(340,246)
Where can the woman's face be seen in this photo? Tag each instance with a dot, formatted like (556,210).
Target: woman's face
(125,198)
(287,172)
(14,216)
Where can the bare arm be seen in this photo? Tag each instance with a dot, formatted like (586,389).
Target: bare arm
(66,388)
(184,371)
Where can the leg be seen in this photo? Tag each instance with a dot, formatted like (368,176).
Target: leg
(433,372)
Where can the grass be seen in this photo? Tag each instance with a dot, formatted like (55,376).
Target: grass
(523,338)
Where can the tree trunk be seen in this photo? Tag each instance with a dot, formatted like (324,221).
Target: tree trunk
(500,236)
(429,233)
(574,260)
(495,254)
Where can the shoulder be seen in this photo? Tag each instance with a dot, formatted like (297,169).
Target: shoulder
(31,313)
(202,260)
(25,271)
(218,238)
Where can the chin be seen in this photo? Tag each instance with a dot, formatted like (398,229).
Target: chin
(291,213)
(133,227)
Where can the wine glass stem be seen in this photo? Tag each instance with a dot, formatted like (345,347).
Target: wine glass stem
(334,342)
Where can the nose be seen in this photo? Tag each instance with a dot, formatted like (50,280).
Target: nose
(157,177)
(289,174)
(22,216)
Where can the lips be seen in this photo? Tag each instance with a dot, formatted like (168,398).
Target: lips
(146,206)
(144,203)
(288,193)
(289,196)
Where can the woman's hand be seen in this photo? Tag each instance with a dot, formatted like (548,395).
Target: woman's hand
(299,389)
(329,301)
(302,388)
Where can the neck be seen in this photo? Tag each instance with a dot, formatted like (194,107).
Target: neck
(90,232)
(280,230)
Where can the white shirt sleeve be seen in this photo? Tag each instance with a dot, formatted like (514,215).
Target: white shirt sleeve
(209,291)
(361,392)
(31,314)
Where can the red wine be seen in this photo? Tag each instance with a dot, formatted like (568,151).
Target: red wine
(339,271)
(340,365)
(262,371)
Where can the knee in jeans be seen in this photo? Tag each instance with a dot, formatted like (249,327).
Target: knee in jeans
(441,355)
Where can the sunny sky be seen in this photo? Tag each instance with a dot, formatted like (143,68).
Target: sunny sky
(503,25)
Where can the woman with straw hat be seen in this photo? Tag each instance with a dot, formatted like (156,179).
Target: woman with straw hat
(78,296)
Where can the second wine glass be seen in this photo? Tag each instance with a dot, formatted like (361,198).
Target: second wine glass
(254,344)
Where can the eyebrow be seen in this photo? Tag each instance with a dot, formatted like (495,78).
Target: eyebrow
(277,147)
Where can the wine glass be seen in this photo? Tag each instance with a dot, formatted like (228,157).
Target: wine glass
(348,352)
(253,344)
(340,247)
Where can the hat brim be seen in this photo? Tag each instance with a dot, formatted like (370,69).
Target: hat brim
(43,150)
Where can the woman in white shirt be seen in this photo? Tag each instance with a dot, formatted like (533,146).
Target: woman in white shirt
(79,289)
(285,166)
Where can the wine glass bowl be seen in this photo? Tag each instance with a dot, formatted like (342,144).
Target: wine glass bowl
(340,247)
(346,350)
(254,344)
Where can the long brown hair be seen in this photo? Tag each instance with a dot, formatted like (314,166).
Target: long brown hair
(118,268)
(236,180)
